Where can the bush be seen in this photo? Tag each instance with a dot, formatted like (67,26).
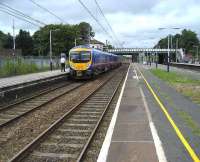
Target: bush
(18,66)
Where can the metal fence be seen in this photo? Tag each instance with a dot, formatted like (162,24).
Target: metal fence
(40,61)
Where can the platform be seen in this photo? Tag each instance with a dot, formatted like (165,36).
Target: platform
(132,139)
(20,79)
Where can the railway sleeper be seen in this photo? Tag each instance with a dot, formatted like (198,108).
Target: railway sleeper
(72,133)
(59,148)
(51,156)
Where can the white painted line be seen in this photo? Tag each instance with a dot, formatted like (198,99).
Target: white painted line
(106,144)
(142,122)
(135,76)
(141,141)
(158,144)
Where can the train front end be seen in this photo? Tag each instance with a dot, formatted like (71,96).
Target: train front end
(80,60)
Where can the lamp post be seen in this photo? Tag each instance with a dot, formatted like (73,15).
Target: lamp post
(75,40)
(14,45)
(176,49)
(168,49)
(50,47)
(157,57)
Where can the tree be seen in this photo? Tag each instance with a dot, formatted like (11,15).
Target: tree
(162,43)
(85,32)
(63,38)
(187,39)
(24,42)
(3,38)
(8,44)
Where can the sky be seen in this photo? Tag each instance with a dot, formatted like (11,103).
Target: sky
(134,22)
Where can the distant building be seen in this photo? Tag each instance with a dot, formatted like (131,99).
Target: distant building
(188,58)
(97,44)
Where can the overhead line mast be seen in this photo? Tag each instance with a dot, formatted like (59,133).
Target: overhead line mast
(13,37)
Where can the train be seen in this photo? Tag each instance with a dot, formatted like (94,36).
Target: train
(87,62)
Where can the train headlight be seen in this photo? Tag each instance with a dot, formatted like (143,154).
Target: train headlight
(72,66)
(88,65)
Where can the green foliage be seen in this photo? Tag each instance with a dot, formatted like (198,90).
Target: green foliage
(173,77)
(183,84)
(2,39)
(24,42)
(63,38)
(188,120)
(17,67)
(85,32)
(187,39)
(110,46)
(8,42)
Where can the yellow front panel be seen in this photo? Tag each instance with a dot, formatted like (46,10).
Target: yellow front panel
(80,66)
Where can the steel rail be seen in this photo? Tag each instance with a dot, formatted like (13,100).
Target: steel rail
(3,108)
(37,107)
(81,156)
(30,147)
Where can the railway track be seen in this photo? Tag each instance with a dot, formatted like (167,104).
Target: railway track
(194,67)
(16,92)
(19,109)
(69,137)
(35,94)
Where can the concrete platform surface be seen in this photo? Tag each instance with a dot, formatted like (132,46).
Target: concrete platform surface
(132,140)
(20,79)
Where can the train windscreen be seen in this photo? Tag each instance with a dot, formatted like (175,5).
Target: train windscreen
(80,57)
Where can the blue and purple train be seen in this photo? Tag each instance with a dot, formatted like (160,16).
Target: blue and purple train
(86,62)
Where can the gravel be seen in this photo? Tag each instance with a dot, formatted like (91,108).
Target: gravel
(96,144)
(22,132)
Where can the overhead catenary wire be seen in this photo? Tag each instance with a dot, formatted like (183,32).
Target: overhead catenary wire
(18,17)
(106,20)
(18,13)
(47,10)
(91,14)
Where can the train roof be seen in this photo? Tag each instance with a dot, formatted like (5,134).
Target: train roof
(87,47)
(82,46)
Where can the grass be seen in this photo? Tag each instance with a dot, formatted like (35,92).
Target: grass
(183,84)
(18,67)
(173,77)
(186,118)
(189,122)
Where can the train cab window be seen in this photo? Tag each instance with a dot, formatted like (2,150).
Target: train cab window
(85,56)
(80,57)
(74,56)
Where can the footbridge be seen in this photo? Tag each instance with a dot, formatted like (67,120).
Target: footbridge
(135,52)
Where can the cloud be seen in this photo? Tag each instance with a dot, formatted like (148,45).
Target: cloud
(135,22)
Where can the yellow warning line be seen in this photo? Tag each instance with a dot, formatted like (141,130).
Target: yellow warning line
(178,132)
